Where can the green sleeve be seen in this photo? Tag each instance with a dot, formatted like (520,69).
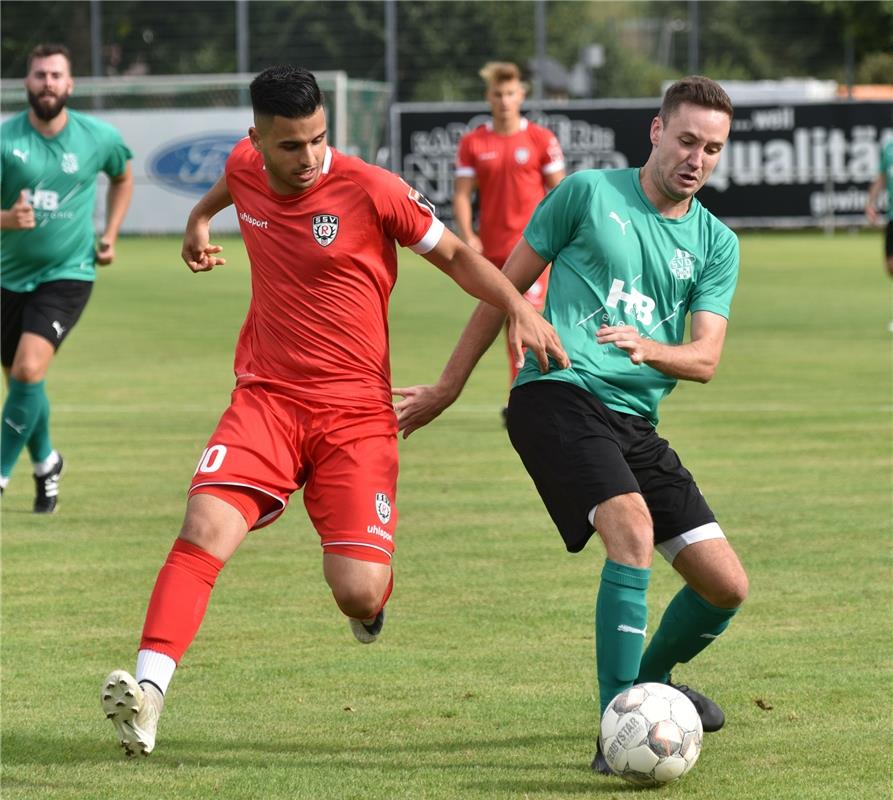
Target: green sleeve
(716,285)
(557,217)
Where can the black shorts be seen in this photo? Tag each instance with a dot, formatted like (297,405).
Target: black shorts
(888,240)
(50,311)
(581,453)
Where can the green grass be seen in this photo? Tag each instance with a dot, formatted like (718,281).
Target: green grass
(482,686)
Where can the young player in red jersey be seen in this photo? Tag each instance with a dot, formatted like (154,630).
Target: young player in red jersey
(312,407)
(512,163)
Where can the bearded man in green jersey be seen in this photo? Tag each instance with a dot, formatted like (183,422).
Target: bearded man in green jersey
(633,254)
(50,157)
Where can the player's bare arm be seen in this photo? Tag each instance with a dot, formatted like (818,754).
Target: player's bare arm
(20,216)
(198,252)
(463,189)
(479,278)
(696,360)
(120,192)
(874,191)
(421,404)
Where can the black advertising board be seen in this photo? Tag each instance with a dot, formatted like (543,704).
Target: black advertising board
(785,165)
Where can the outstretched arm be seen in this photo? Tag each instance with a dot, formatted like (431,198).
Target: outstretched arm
(421,404)
(198,252)
(117,202)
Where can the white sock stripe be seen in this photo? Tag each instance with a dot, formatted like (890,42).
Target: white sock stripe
(156,667)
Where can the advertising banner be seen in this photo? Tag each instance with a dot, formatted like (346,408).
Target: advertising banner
(791,165)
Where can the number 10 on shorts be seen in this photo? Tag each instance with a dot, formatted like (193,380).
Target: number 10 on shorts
(211,459)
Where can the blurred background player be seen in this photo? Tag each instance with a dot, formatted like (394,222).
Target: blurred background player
(511,162)
(312,407)
(883,181)
(634,254)
(50,159)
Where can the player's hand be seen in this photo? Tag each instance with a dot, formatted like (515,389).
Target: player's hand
(420,405)
(475,243)
(198,253)
(627,338)
(526,328)
(105,252)
(873,215)
(22,213)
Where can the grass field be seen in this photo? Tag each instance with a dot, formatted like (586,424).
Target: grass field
(482,685)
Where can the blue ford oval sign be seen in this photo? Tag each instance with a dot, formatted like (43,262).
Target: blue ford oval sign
(192,165)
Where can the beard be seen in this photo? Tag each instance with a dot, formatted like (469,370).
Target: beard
(44,110)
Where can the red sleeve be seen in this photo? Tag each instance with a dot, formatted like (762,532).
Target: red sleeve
(239,156)
(551,156)
(406,215)
(465,157)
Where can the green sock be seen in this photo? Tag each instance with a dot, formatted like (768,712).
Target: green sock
(621,616)
(21,412)
(688,625)
(39,444)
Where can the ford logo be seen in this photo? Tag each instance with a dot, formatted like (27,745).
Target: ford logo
(192,165)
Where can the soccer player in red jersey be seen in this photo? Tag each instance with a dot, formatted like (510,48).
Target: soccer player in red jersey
(512,163)
(312,406)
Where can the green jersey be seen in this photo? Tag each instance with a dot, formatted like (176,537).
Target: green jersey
(617,261)
(59,177)
(887,169)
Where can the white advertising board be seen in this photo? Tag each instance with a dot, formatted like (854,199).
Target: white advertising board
(178,154)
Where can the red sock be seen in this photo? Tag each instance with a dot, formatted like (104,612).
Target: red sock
(179,599)
(387,593)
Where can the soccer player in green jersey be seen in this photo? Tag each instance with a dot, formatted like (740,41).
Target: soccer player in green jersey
(633,254)
(883,181)
(49,157)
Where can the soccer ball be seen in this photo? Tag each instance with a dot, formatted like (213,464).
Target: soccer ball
(651,734)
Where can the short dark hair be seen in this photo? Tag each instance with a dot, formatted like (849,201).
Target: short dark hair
(285,91)
(699,91)
(44,50)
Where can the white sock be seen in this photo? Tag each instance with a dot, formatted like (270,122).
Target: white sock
(46,466)
(156,668)
(4,481)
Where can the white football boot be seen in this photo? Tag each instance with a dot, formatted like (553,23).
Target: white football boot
(133,709)
(367,632)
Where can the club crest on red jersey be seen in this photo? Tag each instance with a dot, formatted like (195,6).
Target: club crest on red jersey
(325,229)
(522,155)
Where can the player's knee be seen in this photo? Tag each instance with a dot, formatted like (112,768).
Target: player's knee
(28,370)
(360,601)
(625,527)
(731,591)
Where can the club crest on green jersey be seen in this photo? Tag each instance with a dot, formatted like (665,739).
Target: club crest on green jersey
(69,163)
(682,264)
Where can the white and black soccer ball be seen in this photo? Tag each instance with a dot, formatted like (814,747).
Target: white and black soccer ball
(651,734)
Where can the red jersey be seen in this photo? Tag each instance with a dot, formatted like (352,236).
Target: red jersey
(509,172)
(323,264)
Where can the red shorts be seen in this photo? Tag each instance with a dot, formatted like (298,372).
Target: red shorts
(344,459)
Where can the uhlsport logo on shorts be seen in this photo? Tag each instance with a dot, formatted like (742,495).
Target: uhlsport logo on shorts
(383,507)
(325,229)
(193,165)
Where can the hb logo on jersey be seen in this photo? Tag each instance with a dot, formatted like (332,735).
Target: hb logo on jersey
(325,229)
